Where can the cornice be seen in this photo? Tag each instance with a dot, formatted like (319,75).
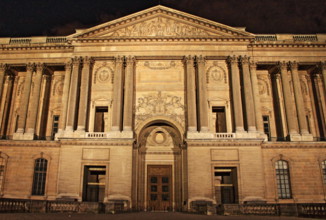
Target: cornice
(162,39)
(289,145)
(43,144)
(287,45)
(36,47)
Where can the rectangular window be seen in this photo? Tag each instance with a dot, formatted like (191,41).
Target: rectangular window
(39,179)
(94,183)
(99,122)
(283,179)
(226,187)
(308,125)
(2,173)
(267,129)
(55,125)
(323,166)
(220,119)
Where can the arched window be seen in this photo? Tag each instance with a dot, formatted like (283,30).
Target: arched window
(283,179)
(39,179)
(323,166)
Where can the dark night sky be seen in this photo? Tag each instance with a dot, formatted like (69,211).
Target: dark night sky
(22,18)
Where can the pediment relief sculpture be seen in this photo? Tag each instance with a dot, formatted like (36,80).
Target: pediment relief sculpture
(160,27)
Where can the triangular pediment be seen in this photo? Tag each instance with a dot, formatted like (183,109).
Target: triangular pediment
(161,21)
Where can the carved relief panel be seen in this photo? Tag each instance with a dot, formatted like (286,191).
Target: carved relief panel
(159,90)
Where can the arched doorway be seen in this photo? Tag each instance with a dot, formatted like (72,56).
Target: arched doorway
(159,168)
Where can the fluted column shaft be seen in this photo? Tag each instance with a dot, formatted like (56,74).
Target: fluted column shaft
(23,105)
(299,98)
(250,110)
(65,94)
(3,68)
(35,99)
(83,98)
(256,97)
(287,99)
(236,94)
(4,102)
(73,94)
(117,95)
(128,94)
(191,94)
(202,97)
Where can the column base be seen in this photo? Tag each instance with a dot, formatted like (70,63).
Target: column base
(200,135)
(301,137)
(23,136)
(120,134)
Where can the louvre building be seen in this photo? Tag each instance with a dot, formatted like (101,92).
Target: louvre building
(163,110)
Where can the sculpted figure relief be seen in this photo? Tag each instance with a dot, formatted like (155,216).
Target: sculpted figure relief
(160,104)
(158,27)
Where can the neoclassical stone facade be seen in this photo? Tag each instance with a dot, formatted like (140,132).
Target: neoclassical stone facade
(164,110)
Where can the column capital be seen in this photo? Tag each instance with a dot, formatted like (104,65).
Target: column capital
(244,60)
(293,65)
(30,67)
(130,59)
(323,65)
(40,67)
(188,59)
(8,78)
(68,65)
(118,60)
(232,60)
(200,59)
(76,61)
(253,64)
(88,60)
(283,66)
(3,67)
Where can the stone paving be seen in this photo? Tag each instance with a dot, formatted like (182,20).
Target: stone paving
(136,216)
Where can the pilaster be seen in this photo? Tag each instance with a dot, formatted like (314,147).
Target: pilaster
(236,94)
(65,94)
(117,95)
(191,94)
(202,97)
(128,94)
(83,98)
(3,69)
(73,94)
(323,69)
(250,110)
(256,97)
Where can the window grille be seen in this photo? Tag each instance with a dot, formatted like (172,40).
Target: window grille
(39,179)
(55,125)
(283,179)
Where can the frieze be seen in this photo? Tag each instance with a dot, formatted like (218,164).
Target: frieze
(156,104)
(158,65)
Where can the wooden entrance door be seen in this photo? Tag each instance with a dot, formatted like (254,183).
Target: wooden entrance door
(159,187)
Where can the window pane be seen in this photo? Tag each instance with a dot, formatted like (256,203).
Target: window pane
(39,176)
(283,179)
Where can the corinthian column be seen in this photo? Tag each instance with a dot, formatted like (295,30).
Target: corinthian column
(256,97)
(65,93)
(202,97)
(3,68)
(298,98)
(23,105)
(287,99)
(128,94)
(250,110)
(83,98)
(236,94)
(35,99)
(191,94)
(73,94)
(117,95)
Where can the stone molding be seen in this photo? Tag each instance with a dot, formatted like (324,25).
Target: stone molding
(294,145)
(122,142)
(227,143)
(43,144)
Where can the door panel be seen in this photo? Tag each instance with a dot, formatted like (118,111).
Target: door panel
(159,187)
